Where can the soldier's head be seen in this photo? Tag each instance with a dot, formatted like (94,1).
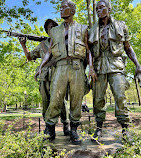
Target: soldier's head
(49,23)
(67,9)
(103,8)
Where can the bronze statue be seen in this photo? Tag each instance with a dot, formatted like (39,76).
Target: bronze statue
(68,46)
(109,39)
(47,72)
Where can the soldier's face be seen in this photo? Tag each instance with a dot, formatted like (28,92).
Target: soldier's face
(49,27)
(65,10)
(102,10)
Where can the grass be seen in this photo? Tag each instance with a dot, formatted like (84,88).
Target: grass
(132,108)
(136,108)
(21,115)
(27,114)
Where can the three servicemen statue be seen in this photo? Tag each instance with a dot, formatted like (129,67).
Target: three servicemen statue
(70,46)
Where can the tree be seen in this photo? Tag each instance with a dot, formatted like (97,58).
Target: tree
(16,74)
(17,13)
(89,13)
(15,78)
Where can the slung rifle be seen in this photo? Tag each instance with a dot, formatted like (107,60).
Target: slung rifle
(28,36)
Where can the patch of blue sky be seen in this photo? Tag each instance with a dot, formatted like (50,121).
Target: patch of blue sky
(135,2)
(42,12)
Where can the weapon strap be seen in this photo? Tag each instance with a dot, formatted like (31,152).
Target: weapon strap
(52,61)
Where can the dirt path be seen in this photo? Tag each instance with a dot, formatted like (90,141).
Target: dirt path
(110,123)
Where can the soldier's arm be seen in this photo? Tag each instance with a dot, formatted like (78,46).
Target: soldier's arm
(91,67)
(131,54)
(26,52)
(47,56)
(129,50)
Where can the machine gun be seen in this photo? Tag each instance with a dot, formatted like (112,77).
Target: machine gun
(28,36)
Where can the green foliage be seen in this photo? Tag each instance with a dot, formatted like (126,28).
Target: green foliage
(16,74)
(16,77)
(26,144)
(23,144)
(9,14)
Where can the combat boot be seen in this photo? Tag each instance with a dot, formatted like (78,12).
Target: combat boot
(50,132)
(66,129)
(98,132)
(73,134)
(125,134)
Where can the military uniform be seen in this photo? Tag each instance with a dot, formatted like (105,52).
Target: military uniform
(69,71)
(109,64)
(45,80)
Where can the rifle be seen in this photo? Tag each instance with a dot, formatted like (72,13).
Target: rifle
(28,36)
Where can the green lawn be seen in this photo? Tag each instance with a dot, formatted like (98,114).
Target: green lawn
(13,116)
(20,114)
(135,108)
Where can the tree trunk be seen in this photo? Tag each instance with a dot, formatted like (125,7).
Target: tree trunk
(16,106)
(5,108)
(89,13)
(94,11)
(25,102)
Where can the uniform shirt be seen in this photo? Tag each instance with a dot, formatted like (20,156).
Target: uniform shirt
(39,53)
(107,62)
(76,44)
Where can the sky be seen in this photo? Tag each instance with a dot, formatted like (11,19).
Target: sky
(43,11)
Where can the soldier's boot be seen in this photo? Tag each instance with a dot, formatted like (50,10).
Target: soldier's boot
(50,132)
(73,133)
(98,132)
(66,129)
(125,134)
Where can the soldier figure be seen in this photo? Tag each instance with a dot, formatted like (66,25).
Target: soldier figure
(109,39)
(47,72)
(68,47)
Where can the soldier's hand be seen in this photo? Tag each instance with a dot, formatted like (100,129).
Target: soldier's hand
(92,74)
(22,40)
